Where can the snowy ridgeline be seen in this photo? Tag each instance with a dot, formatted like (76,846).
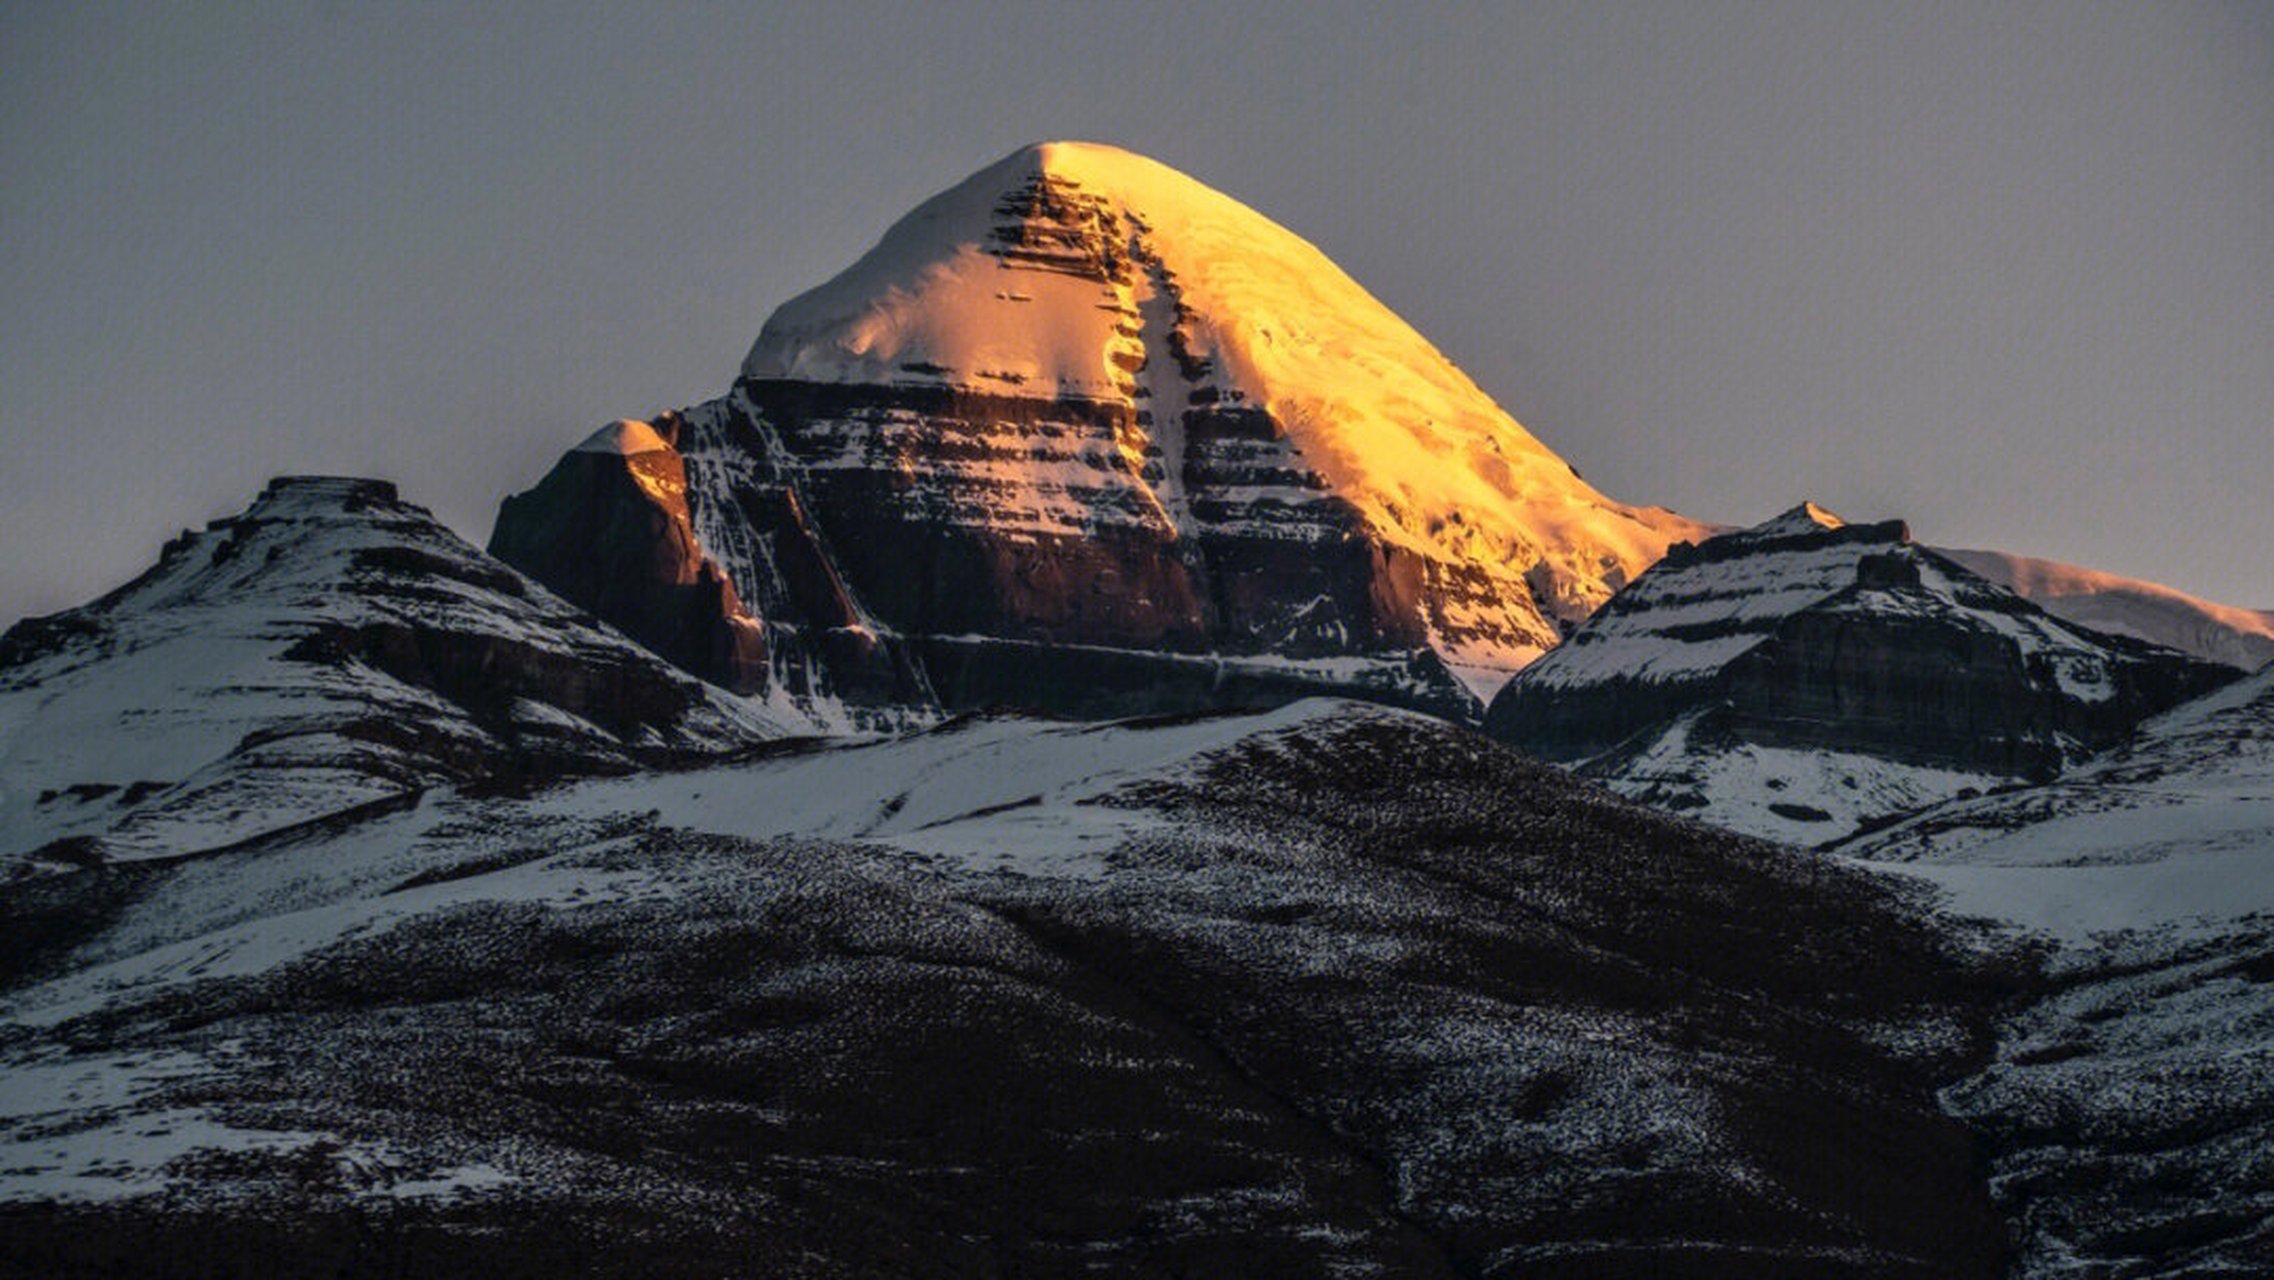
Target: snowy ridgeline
(332,647)
(2239,638)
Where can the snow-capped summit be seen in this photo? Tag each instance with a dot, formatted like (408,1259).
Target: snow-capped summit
(1805,520)
(1079,270)
(1081,402)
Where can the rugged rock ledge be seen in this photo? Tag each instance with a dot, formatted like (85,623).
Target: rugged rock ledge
(1845,651)
(608,529)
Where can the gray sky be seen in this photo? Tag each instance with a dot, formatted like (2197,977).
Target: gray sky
(2004,270)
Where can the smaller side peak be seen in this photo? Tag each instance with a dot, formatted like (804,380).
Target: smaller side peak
(625,436)
(1807,525)
(1805,518)
(1810,521)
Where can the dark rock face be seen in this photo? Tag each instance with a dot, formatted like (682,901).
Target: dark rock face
(1659,646)
(1899,669)
(932,536)
(608,529)
(890,570)
(936,549)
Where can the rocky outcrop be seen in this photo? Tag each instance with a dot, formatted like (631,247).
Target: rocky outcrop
(949,582)
(1921,662)
(1803,676)
(608,529)
(1662,645)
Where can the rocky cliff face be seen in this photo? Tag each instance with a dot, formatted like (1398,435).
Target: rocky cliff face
(1806,675)
(1083,418)
(608,528)
(331,648)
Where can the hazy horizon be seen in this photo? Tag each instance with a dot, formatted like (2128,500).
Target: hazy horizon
(2004,271)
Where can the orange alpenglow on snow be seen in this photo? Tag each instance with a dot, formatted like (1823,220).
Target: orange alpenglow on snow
(1429,460)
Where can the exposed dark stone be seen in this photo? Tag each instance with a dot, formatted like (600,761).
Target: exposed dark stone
(33,638)
(1910,686)
(609,531)
(861,524)
(938,564)
(485,675)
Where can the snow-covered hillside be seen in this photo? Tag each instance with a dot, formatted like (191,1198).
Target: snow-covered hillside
(2175,825)
(332,647)
(2242,638)
(2131,1110)
(1333,990)
(443,917)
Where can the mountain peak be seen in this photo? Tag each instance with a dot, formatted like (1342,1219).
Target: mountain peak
(1089,162)
(1081,274)
(1815,515)
(331,646)
(1810,523)
(1796,678)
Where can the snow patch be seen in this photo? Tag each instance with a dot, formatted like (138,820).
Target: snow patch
(624,436)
